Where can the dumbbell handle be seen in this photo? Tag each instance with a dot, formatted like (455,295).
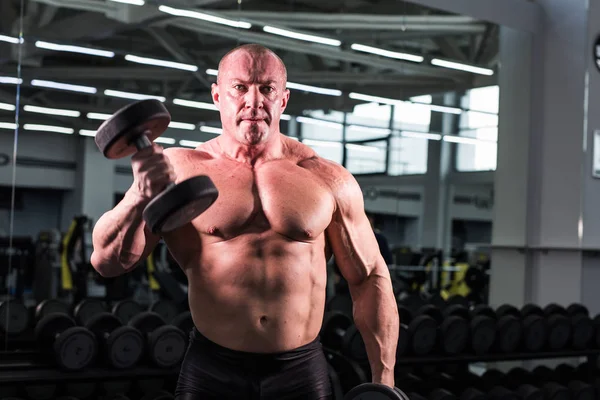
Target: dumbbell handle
(142,142)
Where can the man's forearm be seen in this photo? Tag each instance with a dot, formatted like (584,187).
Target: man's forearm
(376,317)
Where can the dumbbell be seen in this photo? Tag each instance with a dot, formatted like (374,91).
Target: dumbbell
(533,334)
(50,306)
(582,327)
(452,329)
(552,390)
(133,128)
(14,318)
(166,343)
(165,308)
(126,309)
(87,308)
(557,325)
(418,333)
(73,347)
(338,332)
(481,328)
(496,381)
(375,391)
(579,390)
(508,328)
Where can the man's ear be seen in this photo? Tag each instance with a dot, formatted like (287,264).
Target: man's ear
(214,91)
(285,99)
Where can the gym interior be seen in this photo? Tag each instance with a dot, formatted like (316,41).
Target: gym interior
(471,126)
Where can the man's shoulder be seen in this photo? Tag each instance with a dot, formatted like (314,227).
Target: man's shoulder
(183,154)
(337,178)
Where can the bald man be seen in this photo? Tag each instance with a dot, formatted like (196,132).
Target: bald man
(256,259)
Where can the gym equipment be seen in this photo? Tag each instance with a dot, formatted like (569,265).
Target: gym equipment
(551,390)
(133,128)
(341,302)
(73,347)
(185,322)
(481,327)
(50,306)
(558,326)
(534,333)
(452,329)
(508,328)
(121,346)
(88,308)
(165,308)
(125,310)
(420,333)
(166,343)
(14,318)
(338,332)
(579,390)
(582,327)
(373,391)
(349,372)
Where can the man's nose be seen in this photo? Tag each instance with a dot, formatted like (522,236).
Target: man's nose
(254,98)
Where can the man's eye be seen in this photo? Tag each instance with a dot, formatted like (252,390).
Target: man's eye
(239,87)
(268,89)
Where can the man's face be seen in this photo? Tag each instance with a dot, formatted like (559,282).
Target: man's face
(251,96)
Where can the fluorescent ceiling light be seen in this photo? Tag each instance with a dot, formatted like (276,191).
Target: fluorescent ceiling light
(314,121)
(367,149)
(205,17)
(442,109)
(164,140)
(11,80)
(314,89)
(99,116)
(462,67)
(386,53)
(52,111)
(8,125)
(421,135)
(10,39)
(182,125)
(7,107)
(48,128)
(132,2)
(301,36)
(465,140)
(213,72)
(195,104)
(211,129)
(189,143)
(64,86)
(73,49)
(87,132)
(286,117)
(322,143)
(384,100)
(382,131)
(160,63)
(132,96)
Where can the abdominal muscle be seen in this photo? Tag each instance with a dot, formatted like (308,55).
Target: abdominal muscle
(257,294)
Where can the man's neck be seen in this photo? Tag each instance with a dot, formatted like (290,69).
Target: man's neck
(251,155)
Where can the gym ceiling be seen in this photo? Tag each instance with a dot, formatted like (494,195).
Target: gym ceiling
(165,30)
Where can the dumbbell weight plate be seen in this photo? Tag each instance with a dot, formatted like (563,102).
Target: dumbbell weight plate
(403,341)
(354,346)
(184,321)
(88,308)
(124,345)
(373,391)
(165,308)
(582,331)
(559,331)
(14,317)
(423,332)
(483,333)
(49,306)
(529,392)
(167,346)
(125,310)
(74,348)
(454,330)
(332,330)
(341,303)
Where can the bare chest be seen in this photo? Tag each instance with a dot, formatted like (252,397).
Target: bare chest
(280,197)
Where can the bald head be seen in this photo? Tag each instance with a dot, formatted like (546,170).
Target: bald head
(258,54)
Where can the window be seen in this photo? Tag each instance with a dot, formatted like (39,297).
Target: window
(366,159)
(480,125)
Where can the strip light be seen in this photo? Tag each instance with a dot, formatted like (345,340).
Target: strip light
(205,17)
(182,125)
(160,63)
(189,143)
(285,117)
(8,125)
(48,128)
(10,80)
(7,107)
(98,116)
(132,96)
(10,39)
(164,140)
(301,36)
(386,53)
(314,121)
(367,149)
(314,89)
(462,67)
(322,143)
(421,135)
(384,100)
(52,111)
(382,131)
(465,140)
(195,104)
(213,72)
(211,129)
(73,49)
(64,86)
(132,2)
(87,132)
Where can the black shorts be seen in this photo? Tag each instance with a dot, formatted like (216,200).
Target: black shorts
(210,371)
